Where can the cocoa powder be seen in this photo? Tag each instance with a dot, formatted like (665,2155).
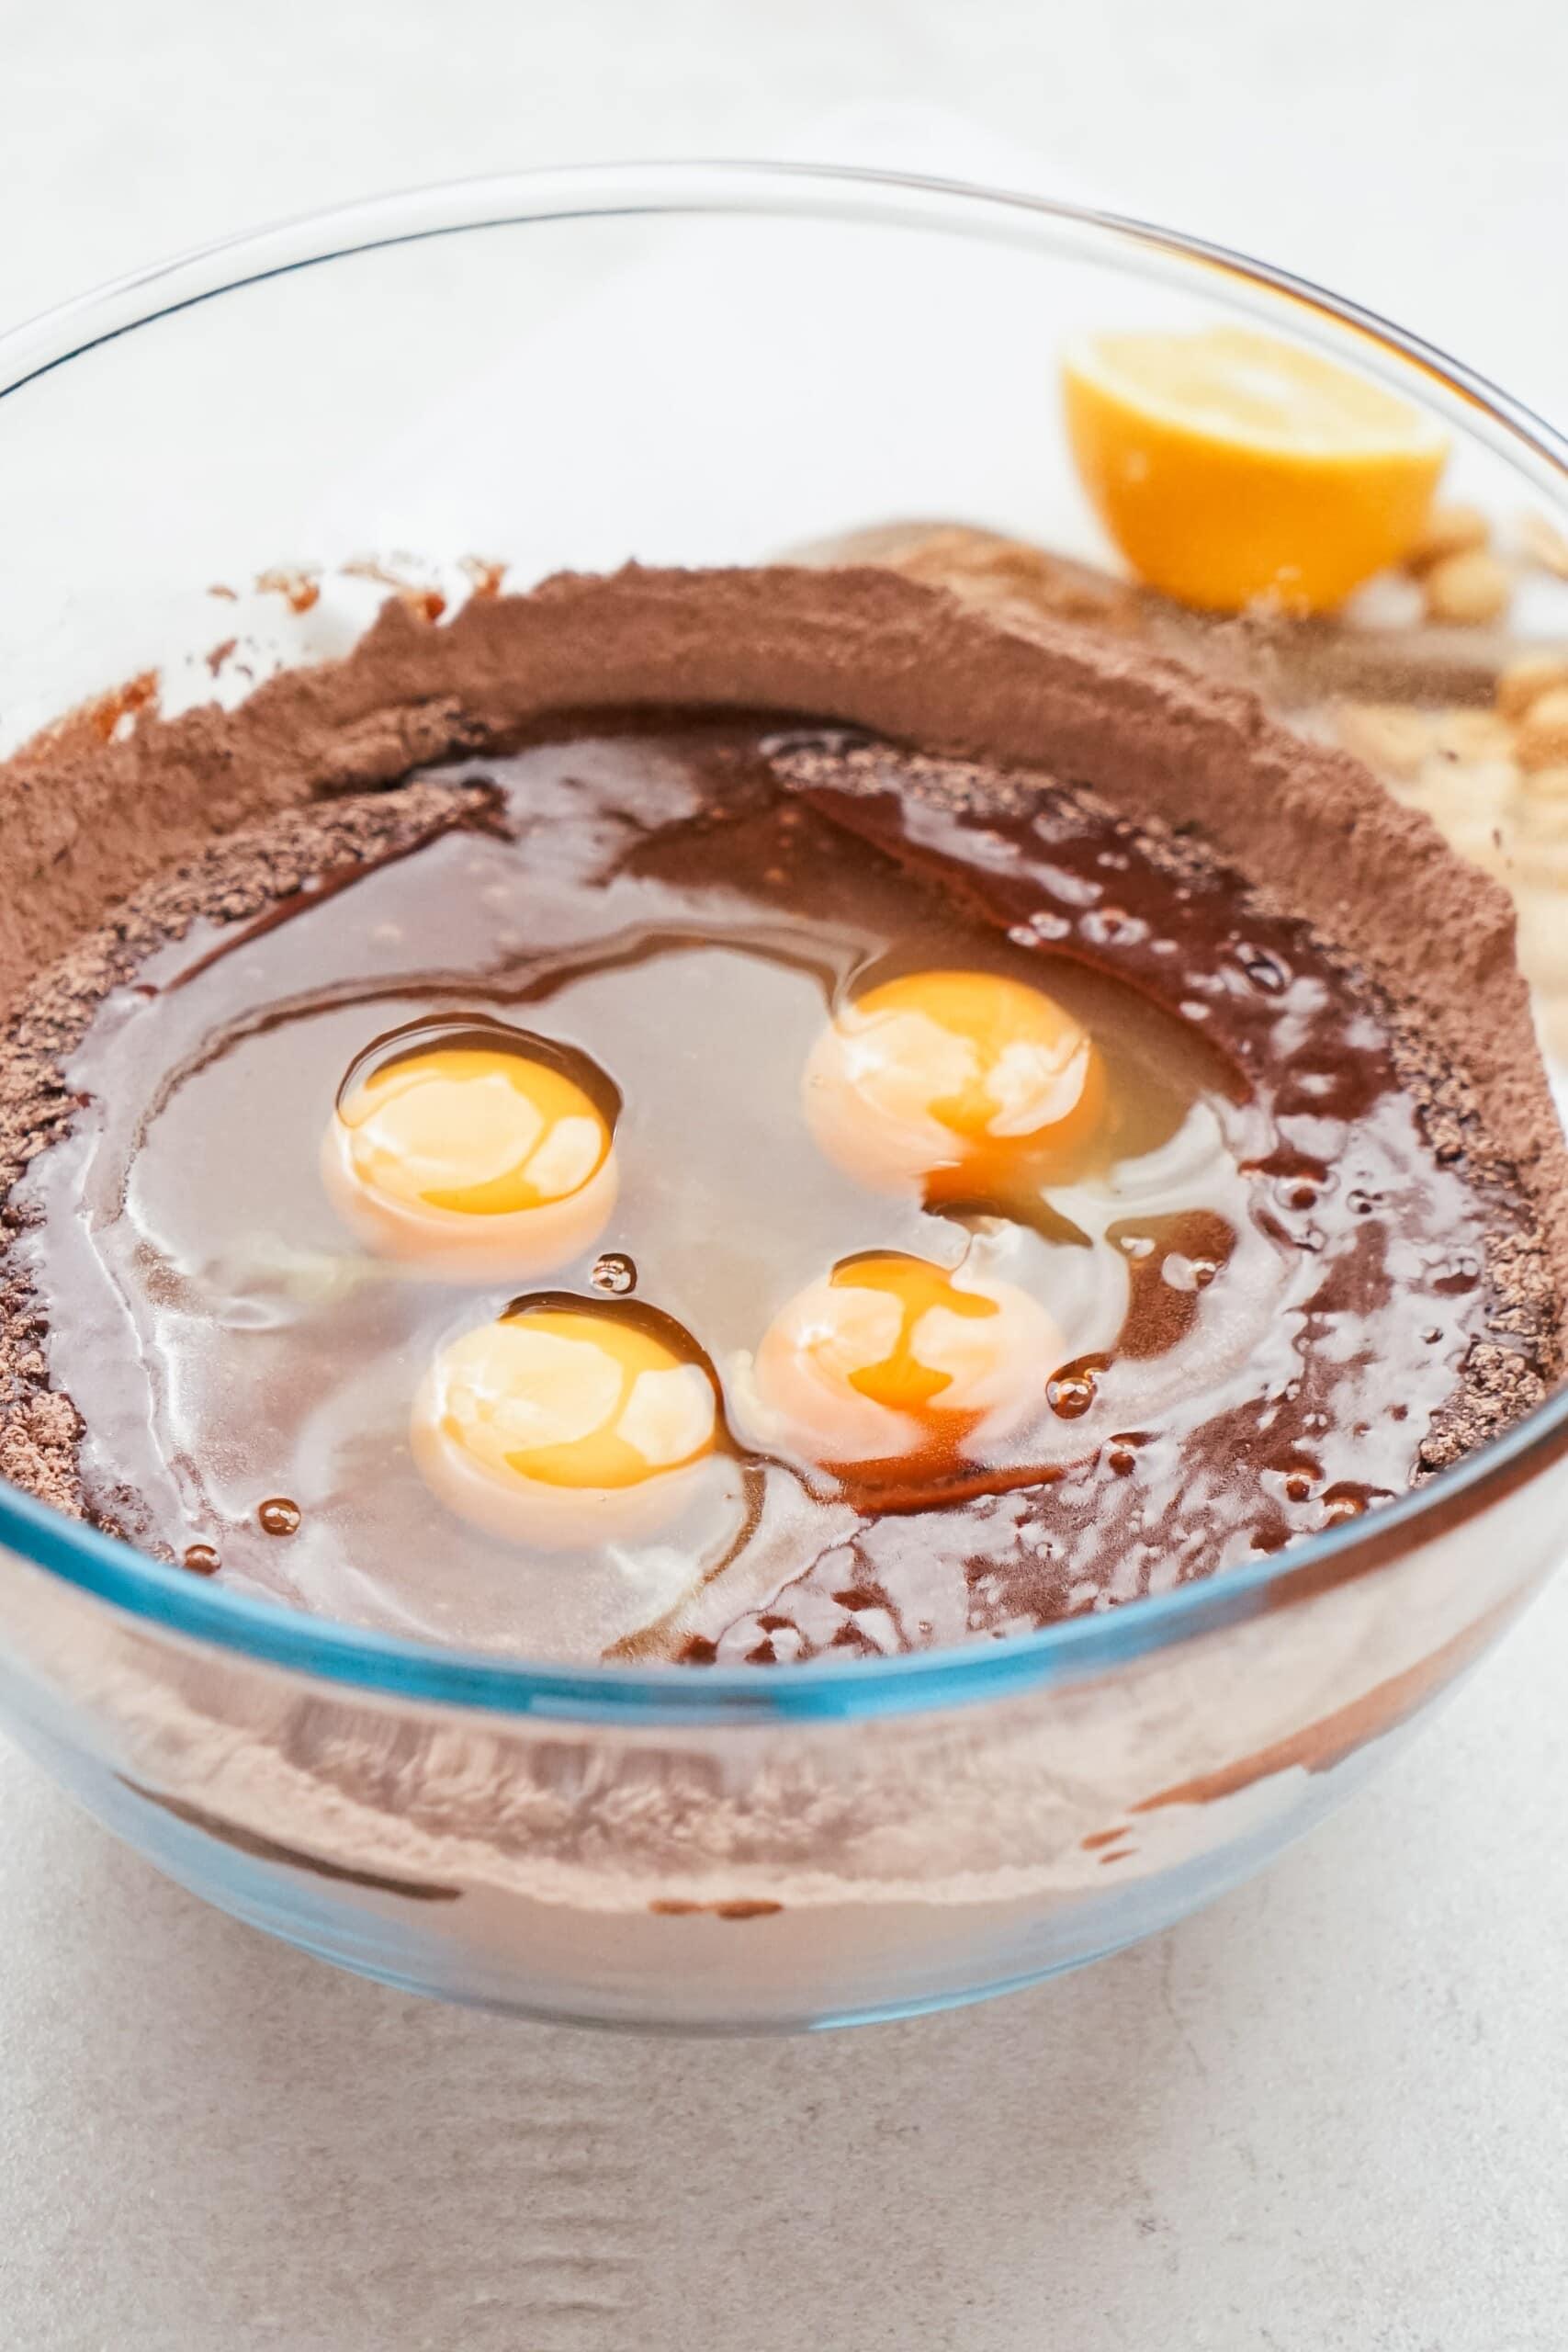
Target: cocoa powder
(118,838)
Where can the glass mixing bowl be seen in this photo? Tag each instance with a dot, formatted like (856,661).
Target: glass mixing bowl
(684,364)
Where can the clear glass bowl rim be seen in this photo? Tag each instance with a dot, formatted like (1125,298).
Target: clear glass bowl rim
(170,1599)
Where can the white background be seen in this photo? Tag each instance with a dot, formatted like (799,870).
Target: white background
(1332,2112)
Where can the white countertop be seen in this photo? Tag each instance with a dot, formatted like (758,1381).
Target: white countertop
(1331,2114)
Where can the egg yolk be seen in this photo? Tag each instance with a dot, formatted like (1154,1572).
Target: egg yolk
(954,1082)
(890,1356)
(470,1151)
(480,1132)
(540,1423)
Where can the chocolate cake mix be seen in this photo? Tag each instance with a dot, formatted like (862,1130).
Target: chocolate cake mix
(673,828)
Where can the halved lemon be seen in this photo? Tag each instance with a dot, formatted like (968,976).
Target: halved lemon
(1231,467)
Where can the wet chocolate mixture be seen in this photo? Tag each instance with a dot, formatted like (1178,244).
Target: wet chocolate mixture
(1299,1279)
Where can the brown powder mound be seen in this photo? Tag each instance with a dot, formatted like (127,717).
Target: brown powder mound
(89,818)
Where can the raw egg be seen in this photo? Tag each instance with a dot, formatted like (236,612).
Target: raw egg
(953,1084)
(890,1357)
(563,1423)
(472,1150)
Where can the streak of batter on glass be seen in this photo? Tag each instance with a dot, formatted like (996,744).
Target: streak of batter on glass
(1258,1282)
